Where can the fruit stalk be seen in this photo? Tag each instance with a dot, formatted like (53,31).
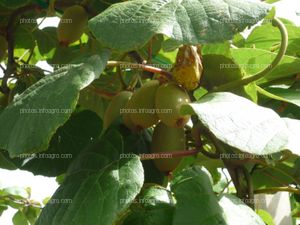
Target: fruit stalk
(148,68)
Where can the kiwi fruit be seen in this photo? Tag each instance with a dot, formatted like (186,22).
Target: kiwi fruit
(142,103)
(168,101)
(115,107)
(72,25)
(167,139)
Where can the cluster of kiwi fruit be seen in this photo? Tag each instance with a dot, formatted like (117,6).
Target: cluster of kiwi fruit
(72,25)
(158,105)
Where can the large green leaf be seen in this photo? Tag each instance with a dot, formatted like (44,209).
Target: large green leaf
(253,60)
(96,199)
(130,25)
(34,116)
(140,144)
(99,153)
(236,212)
(68,141)
(196,203)
(242,124)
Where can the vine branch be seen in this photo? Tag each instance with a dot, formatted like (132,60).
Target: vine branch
(259,75)
(277,189)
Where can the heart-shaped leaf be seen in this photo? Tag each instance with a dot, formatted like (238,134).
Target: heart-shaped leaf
(130,25)
(34,116)
(242,124)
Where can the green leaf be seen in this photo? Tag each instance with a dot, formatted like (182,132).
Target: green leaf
(140,144)
(236,212)
(14,4)
(266,217)
(255,60)
(99,154)
(280,174)
(16,192)
(2,208)
(46,40)
(272,1)
(294,130)
(65,56)
(242,124)
(24,36)
(220,68)
(31,213)
(289,95)
(187,22)
(196,203)
(6,163)
(33,118)
(96,199)
(68,141)
(88,99)
(268,37)
(19,219)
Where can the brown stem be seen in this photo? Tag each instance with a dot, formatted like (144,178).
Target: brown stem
(101,93)
(162,155)
(250,188)
(119,73)
(10,28)
(145,67)
(149,60)
(136,57)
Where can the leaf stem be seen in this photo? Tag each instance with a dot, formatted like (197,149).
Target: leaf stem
(277,189)
(259,75)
